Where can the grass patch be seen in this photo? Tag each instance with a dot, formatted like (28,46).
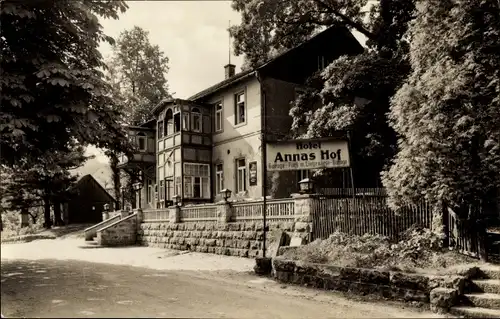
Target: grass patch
(419,249)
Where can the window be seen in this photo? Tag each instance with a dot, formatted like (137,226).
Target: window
(239,108)
(150,191)
(169,169)
(302,174)
(169,128)
(218,117)
(196,180)
(161,158)
(178,184)
(322,63)
(241,178)
(160,129)
(162,192)
(169,188)
(219,178)
(177,122)
(185,121)
(196,120)
(141,142)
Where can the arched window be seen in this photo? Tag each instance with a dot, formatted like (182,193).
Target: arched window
(196,120)
(169,120)
(142,142)
(161,128)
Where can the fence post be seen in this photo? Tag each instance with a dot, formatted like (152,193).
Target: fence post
(224,212)
(174,214)
(140,215)
(303,225)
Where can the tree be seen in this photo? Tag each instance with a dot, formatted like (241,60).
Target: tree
(115,178)
(369,79)
(53,87)
(447,111)
(48,181)
(138,71)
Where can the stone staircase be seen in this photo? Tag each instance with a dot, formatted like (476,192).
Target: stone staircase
(481,298)
(118,230)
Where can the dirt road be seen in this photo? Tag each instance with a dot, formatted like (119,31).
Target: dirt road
(72,287)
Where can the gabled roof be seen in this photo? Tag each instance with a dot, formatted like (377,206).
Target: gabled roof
(81,179)
(235,78)
(245,74)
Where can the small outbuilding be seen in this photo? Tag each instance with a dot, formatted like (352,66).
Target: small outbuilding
(87,203)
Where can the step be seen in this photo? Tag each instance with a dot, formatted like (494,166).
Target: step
(484,300)
(475,312)
(91,245)
(488,285)
(491,271)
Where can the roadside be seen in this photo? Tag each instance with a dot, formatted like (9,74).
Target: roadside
(148,257)
(32,233)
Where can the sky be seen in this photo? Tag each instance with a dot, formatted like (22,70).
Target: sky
(193,35)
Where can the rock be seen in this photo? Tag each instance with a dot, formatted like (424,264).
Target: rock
(276,239)
(407,281)
(442,299)
(263,266)
(297,241)
(374,276)
(301,227)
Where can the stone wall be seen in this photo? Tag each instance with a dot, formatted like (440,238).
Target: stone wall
(387,284)
(243,239)
(120,233)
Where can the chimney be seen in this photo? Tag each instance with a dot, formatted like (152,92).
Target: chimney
(229,70)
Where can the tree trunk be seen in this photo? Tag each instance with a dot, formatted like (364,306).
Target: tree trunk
(33,218)
(113,163)
(57,214)
(46,213)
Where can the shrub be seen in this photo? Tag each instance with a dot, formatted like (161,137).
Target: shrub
(418,248)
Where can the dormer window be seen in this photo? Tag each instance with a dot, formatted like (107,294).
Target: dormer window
(196,120)
(142,142)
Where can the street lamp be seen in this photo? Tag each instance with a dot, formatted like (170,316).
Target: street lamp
(106,207)
(226,193)
(177,200)
(137,187)
(123,189)
(306,186)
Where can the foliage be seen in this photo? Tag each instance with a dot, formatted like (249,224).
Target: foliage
(447,111)
(12,226)
(52,85)
(115,176)
(48,181)
(418,248)
(269,25)
(137,72)
(353,92)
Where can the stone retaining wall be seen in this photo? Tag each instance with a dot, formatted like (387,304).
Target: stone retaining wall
(91,232)
(387,284)
(243,239)
(120,233)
